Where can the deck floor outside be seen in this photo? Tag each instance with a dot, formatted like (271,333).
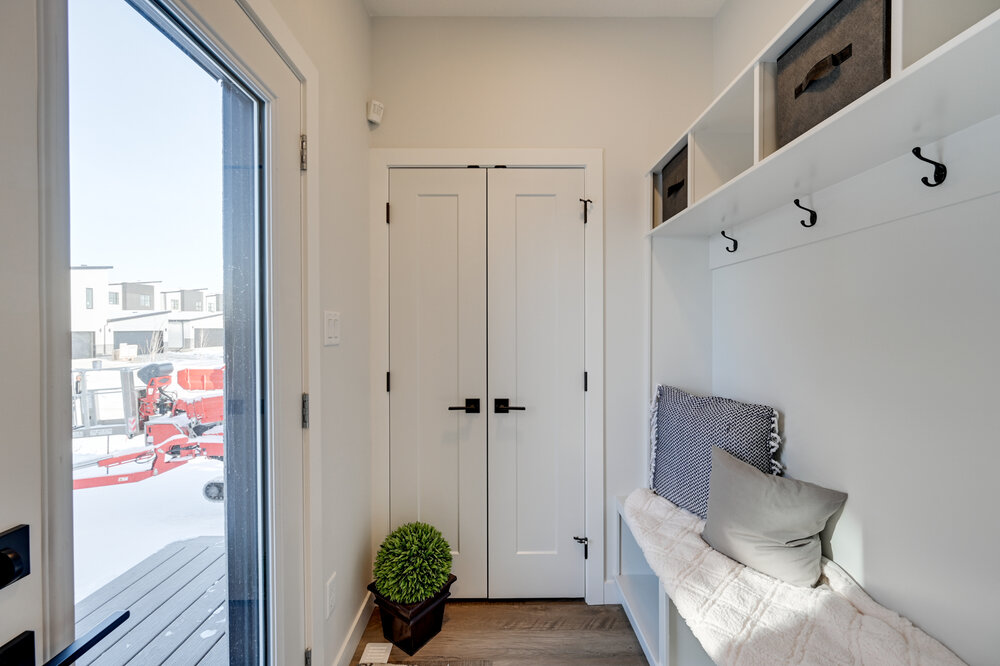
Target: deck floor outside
(178,603)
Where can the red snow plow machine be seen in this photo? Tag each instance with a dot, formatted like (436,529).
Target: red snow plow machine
(176,429)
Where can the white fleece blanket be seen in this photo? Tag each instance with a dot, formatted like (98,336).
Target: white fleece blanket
(743,617)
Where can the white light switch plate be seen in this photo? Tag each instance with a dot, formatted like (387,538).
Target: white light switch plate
(331,328)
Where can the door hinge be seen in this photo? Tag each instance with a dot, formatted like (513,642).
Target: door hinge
(586,545)
(303,153)
(584,380)
(305,410)
(387,212)
(386,382)
(586,205)
(309,656)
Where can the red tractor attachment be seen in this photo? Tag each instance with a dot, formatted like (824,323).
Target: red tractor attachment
(177,430)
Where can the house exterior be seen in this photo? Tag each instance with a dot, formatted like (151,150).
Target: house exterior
(194,330)
(183,300)
(89,299)
(138,295)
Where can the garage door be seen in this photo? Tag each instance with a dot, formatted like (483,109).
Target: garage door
(148,342)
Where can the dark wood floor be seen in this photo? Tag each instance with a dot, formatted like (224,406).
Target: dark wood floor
(504,633)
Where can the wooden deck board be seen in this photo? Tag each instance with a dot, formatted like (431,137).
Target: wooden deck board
(174,595)
(218,655)
(210,606)
(122,597)
(130,577)
(203,643)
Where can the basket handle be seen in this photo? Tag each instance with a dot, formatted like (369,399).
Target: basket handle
(824,68)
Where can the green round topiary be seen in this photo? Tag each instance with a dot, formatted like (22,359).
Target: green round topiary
(413,564)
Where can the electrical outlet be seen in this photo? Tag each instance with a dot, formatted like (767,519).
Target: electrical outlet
(331,595)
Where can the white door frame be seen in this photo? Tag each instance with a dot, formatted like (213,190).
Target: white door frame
(56,559)
(592,161)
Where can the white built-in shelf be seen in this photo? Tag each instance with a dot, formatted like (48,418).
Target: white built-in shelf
(640,599)
(735,173)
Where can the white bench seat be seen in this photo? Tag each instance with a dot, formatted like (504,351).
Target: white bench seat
(743,617)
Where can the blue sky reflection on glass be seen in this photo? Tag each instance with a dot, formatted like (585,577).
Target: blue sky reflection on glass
(145,152)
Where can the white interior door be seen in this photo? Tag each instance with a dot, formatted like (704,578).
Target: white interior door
(536,361)
(437,359)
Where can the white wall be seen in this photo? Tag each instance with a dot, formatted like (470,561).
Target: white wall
(742,28)
(21,293)
(560,83)
(336,36)
(879,349)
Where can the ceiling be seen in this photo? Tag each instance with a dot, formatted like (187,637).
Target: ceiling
(546,8)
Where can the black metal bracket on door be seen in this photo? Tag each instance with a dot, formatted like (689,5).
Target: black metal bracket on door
(586,545)
(586,204)
(471,406)
(15,556)
(940,170)
(503,406)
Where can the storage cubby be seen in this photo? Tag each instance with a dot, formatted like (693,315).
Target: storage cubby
(927,24)
(671,178)
(665,638)
(942,70)
(722,140)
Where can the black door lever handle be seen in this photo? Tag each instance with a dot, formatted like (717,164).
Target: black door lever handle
(471,406)
(503,406)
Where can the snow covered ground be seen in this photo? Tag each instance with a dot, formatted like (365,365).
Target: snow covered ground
(116,527)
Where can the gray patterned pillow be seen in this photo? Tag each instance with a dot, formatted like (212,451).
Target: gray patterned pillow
(685,427)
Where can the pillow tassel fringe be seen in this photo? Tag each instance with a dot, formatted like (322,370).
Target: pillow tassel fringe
(653,408)
(775,442)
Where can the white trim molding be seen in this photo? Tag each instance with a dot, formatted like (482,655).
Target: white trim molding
(54,259)
(592,161)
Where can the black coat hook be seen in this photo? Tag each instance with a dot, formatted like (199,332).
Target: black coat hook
(735,242)
(812,215)
(940,170)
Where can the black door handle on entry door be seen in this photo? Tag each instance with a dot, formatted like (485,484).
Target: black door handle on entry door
(471,406)
(503,406)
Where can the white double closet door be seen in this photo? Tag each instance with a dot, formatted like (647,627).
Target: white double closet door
(486,302)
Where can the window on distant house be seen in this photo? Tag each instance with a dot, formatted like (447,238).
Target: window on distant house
(112,298)
(90,298)
(145,300)
(175,304)
(197,306)
(211,306)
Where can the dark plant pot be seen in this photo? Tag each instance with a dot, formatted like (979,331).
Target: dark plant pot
(410,626)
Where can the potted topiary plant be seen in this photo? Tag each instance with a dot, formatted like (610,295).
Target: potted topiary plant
(412,580)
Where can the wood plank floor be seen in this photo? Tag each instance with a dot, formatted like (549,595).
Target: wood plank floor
(504,633)
(177,597)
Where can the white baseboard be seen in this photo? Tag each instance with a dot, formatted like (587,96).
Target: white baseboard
(360,622)
(611,593)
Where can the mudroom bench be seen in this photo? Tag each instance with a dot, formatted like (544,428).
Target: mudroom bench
(690,604)
(662,633)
